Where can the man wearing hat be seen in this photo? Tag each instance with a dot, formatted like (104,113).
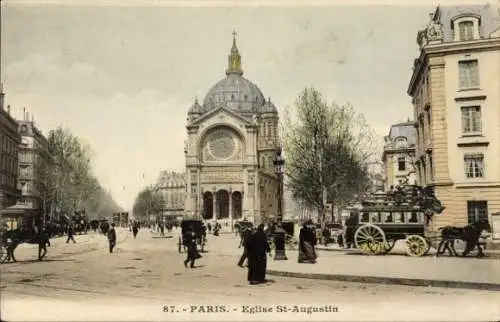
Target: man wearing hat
(112,238)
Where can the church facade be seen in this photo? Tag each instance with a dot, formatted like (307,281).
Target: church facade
(232,139)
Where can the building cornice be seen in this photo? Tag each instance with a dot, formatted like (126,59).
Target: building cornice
(457,47)
(448,49)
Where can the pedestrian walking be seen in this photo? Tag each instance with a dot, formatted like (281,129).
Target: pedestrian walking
(112,238)
(307,241)
(257,250)
(326,235)
(192,251)
(70,234)
(245,237)
(350,225)
(135,230)
(217,228)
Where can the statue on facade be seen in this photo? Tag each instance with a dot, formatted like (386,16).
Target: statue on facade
(255,119)
(422,40)
(434,31)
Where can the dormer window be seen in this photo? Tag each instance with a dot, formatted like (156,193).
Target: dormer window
(465,27)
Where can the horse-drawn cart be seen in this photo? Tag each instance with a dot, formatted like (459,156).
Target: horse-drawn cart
(200,232)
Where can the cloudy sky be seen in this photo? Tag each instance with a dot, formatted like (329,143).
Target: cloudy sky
(123,77)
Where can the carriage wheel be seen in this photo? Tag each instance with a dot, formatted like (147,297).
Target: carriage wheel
(3,254)
(180,244)
(382,248)
(416,246)
(368,235)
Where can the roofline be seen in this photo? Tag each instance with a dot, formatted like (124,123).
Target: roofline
(447,49)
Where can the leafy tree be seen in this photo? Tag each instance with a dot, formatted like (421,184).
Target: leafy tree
(148,202)
(327,147)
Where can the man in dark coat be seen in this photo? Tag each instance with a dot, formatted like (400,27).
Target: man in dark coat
(350,224)
(112,238)
(70,234)
(135,229)
(245,236)
(257,249)
(192,251)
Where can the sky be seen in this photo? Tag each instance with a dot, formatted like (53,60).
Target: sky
(123,77)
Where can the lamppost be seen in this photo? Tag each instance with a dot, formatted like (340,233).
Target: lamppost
(279,163)
(279,233)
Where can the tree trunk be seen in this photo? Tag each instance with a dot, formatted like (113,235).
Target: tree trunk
(333,211)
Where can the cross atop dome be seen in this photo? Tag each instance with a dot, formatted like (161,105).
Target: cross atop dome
(234,59)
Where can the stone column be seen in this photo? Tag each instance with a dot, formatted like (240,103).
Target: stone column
(230,204)
(214,207)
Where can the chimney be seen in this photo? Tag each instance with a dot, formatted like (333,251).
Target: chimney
(8,109)
(24,113)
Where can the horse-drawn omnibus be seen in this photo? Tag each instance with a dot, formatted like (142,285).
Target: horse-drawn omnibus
(402,215)
(380,226)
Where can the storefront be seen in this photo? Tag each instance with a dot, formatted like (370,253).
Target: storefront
(20,216)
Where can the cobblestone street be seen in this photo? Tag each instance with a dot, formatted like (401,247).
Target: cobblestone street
(147,273)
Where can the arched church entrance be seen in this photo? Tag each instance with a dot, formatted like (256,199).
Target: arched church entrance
(222,203)
(208,205)
(237,204)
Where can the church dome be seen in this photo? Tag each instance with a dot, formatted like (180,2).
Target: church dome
(269,107)
(235,92)
(195,108)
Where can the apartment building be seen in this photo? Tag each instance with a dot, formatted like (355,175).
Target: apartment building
(33,162)
(9,142)
(398,155)
(172,186)
(455,90)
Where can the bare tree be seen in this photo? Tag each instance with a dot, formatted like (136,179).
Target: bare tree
(148,202)
(327,148)
(72,184)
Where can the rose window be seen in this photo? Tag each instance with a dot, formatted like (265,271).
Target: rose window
(221,145)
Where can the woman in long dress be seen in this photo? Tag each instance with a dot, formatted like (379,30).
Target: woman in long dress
(307,241)
(257,250)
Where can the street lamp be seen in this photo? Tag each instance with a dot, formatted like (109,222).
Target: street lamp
(279,233)
(279,163)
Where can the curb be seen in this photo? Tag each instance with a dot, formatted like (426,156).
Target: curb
(495,254)
(389,280)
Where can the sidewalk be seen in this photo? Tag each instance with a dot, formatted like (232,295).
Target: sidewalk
(393,268)
(399,248)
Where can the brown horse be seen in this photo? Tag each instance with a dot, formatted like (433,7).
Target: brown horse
(13,238)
